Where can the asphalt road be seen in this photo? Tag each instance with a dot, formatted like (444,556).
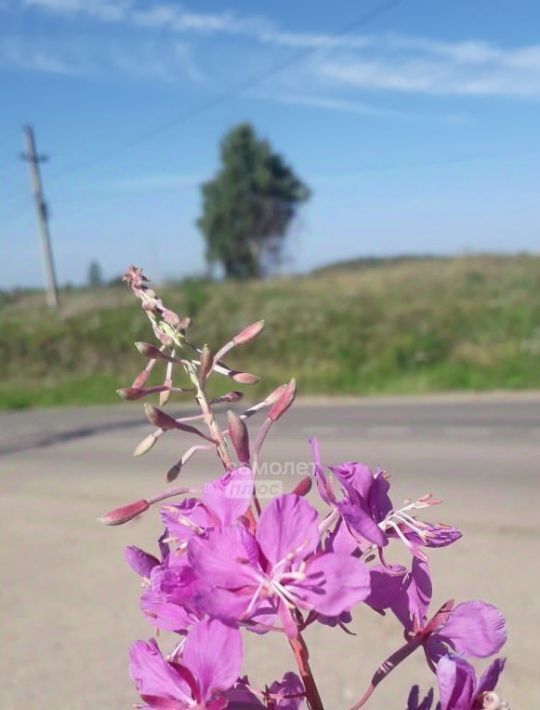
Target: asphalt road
(69,603)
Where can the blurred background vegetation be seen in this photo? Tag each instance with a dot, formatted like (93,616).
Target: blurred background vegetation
(401,325)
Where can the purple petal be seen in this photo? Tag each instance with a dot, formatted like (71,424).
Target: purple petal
(213,653)
(323,484)
(414,702)
(164,614)
(359,520)
(340,540)
(475,629)
(240,697)
(437,535)
(224,604)
(169,602)
(288,526)
(183,519)
(378,500)
(140,561)
(457,680)
(229,497)
(490,677)
(386,584)
(289,691)
(334,583)
(226,557)
(153,676)
(415,595)
(354,476)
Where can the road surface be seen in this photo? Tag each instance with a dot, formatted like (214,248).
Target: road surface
(69,603)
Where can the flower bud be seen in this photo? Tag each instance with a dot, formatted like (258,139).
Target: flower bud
(145,445)
(125,513)
(248,333)
(133,393)
(284,402)
(150,351)
(170,317)
(274,395)
(233,396)
(159,418)
(205,364)
(245,378)
(165,392)
(238,433)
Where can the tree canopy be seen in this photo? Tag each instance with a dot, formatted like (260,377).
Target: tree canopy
(249,205)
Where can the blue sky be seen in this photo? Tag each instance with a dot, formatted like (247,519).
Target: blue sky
(417,130)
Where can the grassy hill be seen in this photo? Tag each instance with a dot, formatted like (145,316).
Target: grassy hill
(405,325)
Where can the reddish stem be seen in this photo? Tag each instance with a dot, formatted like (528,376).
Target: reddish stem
(387,667)
(300,651)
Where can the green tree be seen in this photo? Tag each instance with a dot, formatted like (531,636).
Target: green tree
(248,205)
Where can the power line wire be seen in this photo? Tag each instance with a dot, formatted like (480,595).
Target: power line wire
(234,91)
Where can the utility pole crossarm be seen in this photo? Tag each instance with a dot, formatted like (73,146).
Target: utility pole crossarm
(33,159)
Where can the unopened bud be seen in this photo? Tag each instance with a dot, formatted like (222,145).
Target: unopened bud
(249,333)
(274,395)
(284,402)
(151,351)
(159,418)
(234,396)
(238,433)
(148,350)
(133,393)
(245,378)
(205,364)
(165,393)
(125,513)
(303,487)
(145,445)
(170,317)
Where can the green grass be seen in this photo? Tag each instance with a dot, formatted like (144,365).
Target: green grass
(406,326)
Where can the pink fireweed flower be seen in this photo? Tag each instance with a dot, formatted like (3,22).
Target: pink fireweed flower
(285,694)
(365,515)
(210,663)
(169,588)
(169,599)
(251,578)
(471,629)
(459,688)
(140,561)
(223,502)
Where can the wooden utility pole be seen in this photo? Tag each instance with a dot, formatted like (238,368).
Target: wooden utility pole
(33,159)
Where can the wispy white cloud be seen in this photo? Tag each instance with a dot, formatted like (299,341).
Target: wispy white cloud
(81,56)
(106,10)
(16,53)
(389,63)
(424,66)
(352,106)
